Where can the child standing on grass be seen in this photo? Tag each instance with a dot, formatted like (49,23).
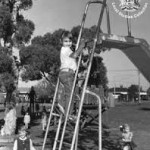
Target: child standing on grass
(27,120)
(22,111)
(37,107)
(44,121)
(23,142)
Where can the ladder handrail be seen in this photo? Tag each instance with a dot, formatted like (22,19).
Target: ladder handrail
(104,5)
(50,114)
(75,79)
(88,73)
(57,133)
(99,118)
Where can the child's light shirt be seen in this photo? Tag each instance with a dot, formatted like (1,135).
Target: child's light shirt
(66,60)
(27,118)
(44,119)
(127,137)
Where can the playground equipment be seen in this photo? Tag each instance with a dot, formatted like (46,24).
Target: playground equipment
(137,50)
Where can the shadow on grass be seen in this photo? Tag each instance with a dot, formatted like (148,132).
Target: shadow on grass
(1,123)
(88,139)
(2,110)
(19,122)
(110,142)
(144,109)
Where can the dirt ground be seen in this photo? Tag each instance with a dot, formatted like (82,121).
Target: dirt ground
(137,116)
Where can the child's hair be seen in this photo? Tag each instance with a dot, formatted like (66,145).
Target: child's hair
(22,128)
(124,126)
(67,34)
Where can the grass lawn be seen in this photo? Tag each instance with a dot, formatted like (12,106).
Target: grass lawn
(137,116)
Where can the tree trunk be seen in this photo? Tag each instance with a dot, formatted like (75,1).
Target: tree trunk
(10,117)
(8,97)
(10,121)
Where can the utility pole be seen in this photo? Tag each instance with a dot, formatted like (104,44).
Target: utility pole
(139,85)
(114,87)
(128,23)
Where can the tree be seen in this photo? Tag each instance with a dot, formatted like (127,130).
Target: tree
(148,93)
(39,62)
(98,70)
(15,31)
(41,58)
(44,91)
(132,92)
(98,73)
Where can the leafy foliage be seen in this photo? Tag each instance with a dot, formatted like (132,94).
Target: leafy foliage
(15,30)
(8,81)
(133,91)
(25,4)
(39,61)
(44,90)
(148,93)
(25,29)
(98,73)
(5,63)
(41,58)
(6,24)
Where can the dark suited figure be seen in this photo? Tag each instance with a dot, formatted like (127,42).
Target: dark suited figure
(32,97)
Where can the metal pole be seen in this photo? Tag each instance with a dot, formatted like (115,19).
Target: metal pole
(139,85)
(88,72)
(49,120)
(76,143)
(108,20)
(57,133)
(75,79)
(99,118)
(114,89)
(128,23)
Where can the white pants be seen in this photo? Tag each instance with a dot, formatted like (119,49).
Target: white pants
(126,148)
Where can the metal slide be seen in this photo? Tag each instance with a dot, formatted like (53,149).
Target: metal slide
(137,50)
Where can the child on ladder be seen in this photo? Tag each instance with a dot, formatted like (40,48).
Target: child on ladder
(67,69)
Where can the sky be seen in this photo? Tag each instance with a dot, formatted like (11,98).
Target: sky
(50,15)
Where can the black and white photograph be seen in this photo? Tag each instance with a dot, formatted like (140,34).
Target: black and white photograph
(74,74)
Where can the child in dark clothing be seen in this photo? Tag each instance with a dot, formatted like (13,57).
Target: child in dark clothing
(23,142)
(37,108)
(23,111)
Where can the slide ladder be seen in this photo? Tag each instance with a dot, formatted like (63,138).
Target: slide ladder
(60,132)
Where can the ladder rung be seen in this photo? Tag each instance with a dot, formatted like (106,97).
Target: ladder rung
(64,143)
(81,78)
(54,114)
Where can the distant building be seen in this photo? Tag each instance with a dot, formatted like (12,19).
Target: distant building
(121,93)
(23,93)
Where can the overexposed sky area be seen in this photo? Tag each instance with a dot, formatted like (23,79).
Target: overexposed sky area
(50,15)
